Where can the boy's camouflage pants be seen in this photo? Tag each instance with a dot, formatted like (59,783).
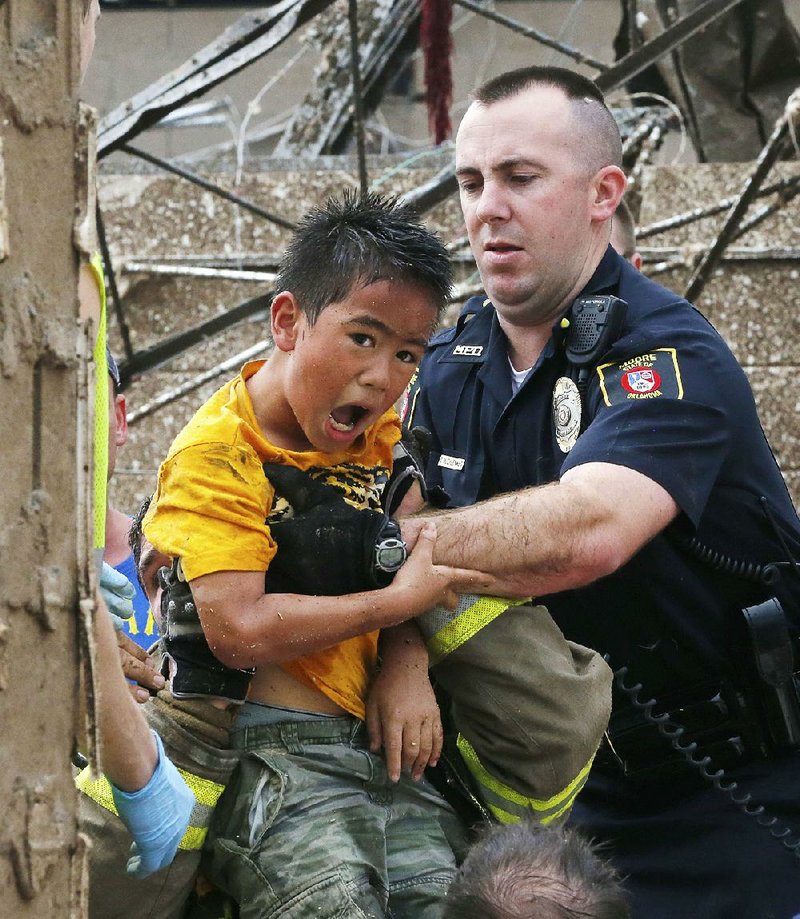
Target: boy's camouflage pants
(311,826)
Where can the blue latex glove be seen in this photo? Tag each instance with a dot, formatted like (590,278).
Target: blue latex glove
(156,816)
(118,592)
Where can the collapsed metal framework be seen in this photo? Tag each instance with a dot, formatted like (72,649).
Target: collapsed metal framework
(362,51)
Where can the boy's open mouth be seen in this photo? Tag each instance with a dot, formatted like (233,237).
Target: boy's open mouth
(345,417)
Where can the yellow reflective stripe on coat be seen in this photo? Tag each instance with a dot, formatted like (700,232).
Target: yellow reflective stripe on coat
(206,794)
(444,629)
(509,806)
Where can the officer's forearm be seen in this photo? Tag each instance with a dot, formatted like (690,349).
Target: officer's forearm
(554,537)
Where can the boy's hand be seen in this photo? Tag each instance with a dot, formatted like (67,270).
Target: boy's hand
(426,585)
(402,713)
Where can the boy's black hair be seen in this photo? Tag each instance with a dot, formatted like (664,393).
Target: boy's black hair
(355,241)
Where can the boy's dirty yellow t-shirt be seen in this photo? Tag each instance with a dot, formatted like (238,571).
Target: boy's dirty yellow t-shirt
(213,502)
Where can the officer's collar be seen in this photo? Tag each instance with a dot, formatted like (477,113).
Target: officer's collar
(606,274)
(468,344)
(478,330)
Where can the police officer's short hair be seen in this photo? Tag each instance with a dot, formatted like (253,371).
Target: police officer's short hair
(576,87)
(354,241)
(527,871)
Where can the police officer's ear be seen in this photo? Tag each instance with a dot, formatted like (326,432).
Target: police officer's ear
(608,187)
(286,319)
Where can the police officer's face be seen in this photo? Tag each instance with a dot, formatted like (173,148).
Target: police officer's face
(527,202)
(349,367)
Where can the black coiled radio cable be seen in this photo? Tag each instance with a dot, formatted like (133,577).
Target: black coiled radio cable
(674,732)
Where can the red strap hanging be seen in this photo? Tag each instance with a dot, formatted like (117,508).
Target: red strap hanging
(437,45)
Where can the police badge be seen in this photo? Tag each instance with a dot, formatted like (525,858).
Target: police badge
(566,413)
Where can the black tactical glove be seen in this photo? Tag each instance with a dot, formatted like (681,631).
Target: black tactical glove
(328,548)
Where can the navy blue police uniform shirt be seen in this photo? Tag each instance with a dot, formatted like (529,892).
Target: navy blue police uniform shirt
(669,401)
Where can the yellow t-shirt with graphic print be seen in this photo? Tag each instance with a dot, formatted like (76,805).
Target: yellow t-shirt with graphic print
(213,499)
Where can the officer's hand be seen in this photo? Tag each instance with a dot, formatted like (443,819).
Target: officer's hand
(157,816)
(139,667)
(118,592)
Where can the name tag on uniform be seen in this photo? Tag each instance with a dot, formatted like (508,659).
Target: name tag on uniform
(451,462)
(468,350)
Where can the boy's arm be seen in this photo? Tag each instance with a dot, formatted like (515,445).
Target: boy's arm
(246,627)
(402,712)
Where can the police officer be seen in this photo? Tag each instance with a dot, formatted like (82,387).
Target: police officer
(610,445)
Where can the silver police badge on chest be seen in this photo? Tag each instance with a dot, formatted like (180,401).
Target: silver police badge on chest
(566,413)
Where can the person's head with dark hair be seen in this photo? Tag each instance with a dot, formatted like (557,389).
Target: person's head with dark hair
(117,413)
(538,163)
(623,235)
(359,292)
(355,241)
(527,871)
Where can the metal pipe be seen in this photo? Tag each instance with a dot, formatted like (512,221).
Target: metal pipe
(358,102)
(209,186)
(764,163)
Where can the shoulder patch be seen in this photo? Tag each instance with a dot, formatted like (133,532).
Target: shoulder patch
(647,376)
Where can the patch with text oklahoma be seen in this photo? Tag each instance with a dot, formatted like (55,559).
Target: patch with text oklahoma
(647,376)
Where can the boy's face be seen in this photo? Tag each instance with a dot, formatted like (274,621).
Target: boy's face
(353,363)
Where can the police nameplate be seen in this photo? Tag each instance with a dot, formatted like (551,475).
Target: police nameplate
(566,413)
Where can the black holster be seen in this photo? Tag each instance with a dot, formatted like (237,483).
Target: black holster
(777,681)
(188,662)
(756,717)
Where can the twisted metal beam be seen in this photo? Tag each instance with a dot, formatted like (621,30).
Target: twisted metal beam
(249,38)
(768,156)
(541,37)
(673,36)
(209,186)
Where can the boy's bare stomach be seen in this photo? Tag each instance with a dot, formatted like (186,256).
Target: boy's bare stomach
(274,686)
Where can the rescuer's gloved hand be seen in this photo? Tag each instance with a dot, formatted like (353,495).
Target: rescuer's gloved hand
(118,592)
(156,816)
(328,548)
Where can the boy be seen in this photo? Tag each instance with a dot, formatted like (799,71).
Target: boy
(312,821)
